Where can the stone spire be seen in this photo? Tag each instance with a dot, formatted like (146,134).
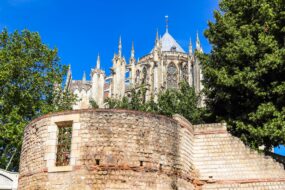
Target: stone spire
(133,50)
(120,47)
(156,48)
(98,62)
(190,47)
(68,77)
(84,78)
(157,39)
(69,71)
(166,21)
(198,44)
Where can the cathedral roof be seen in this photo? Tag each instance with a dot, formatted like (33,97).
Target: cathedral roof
(80,85)
(168,42)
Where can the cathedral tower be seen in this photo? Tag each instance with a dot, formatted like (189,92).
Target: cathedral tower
(98,81)
(118,74)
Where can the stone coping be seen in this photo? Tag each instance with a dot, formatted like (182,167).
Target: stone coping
(213,128)
(183,122)
(102,110)
(200,129)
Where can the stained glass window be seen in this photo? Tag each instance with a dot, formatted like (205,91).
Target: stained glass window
(185,74)
(173,48)
(137,76)
(144,77)
(172,76)
(63,143)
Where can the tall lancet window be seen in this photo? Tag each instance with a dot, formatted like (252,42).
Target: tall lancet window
(185,73)
(172,76)
(137,76)
(155,78)
(144,76)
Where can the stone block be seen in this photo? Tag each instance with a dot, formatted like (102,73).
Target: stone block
(76,125)
(52,128)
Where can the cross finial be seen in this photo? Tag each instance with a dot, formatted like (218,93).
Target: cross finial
(166,21)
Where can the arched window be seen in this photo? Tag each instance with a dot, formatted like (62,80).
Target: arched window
(185,74)
(144,76)
(137,76)
(173,48)
(172,81)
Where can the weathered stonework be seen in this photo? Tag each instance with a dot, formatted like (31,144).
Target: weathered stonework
(119,149)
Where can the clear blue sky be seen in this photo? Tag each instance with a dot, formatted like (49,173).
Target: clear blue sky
(82,28)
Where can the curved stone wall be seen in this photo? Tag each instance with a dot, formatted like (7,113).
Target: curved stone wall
(110,149)
(119,149)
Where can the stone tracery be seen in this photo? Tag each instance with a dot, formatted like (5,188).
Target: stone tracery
(144,76)
(185,72)
(172,76)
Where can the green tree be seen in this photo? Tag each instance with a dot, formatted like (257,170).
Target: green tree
(30,85)
(94,104)
(245,71)
(134,101)
(182,101)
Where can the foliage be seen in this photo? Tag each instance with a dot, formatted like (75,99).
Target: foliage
(30,78)
(182,101)
(94,104)
(135,100)
(245,71)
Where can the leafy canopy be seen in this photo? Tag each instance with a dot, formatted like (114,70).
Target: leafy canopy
(30,85)
(183,101)
(245,71)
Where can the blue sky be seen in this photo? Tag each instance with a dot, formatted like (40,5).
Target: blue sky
(82,28)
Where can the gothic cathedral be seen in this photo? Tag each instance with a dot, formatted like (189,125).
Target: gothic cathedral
(164,67)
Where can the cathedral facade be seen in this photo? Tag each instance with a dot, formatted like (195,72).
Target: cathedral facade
(163,68)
